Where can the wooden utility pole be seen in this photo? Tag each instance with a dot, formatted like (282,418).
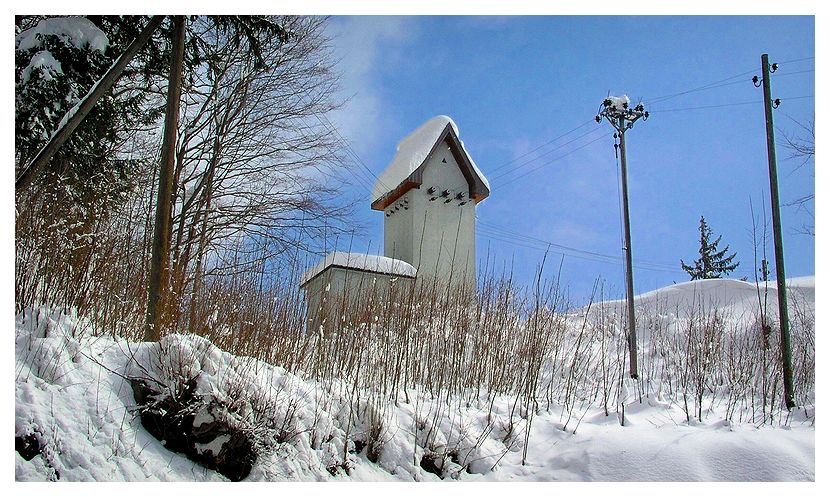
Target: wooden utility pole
(76,115)
(159,278)
(778,242)
(617,112)
(629,271)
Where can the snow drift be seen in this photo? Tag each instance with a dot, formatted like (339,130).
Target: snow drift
(76,418)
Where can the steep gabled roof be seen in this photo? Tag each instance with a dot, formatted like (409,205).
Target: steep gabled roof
(406,169)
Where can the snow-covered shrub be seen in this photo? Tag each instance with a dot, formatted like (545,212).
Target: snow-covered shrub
(207,404)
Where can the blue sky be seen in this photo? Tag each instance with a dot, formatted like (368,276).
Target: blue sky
(514,84)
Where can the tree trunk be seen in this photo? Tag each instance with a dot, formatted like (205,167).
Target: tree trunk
(159,270)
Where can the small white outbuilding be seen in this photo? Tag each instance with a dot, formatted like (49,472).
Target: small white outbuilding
(428,194)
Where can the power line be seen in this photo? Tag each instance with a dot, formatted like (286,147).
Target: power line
(512,235)
(551,161)
(513,238)
(794,73)
(364,181)
(513,170)
(354,153)
(734,104)
(500,166)
(715,84)
(726,82)
(797,60)
(749,102)
(505,239)
(709,87)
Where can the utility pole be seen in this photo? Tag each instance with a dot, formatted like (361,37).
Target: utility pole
(778,242)
(616,110)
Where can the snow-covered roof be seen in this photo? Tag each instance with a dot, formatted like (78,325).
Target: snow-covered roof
(413,150)
(361,262)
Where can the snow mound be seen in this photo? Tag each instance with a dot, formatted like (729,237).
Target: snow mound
(73,400)
(363,262)
(76,31)
(716,291)
(733,301)
(411,153)
(739,296)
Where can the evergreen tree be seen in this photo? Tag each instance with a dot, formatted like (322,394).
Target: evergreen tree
(57,61)
(713,263)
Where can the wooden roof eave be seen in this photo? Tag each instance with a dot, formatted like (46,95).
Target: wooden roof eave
(477,189)
(355,269)
(387,200)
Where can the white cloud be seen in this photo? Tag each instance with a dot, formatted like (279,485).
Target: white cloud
(363,46)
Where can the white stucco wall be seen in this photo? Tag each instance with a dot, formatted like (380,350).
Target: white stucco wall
(437,237)
(334,284)
(397,229)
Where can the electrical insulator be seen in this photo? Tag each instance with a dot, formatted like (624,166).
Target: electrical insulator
(431,190)
(445,193)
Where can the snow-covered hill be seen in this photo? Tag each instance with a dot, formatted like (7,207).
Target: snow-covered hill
(73,401)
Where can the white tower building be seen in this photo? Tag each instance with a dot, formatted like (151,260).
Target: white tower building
(428,194)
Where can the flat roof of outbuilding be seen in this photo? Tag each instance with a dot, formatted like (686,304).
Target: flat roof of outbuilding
(361,262)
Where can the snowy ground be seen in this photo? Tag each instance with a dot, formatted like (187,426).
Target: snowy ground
(70,392)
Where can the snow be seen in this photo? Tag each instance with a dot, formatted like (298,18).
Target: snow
(46,63)
(618,102)
(215,446)
(77,105)
(738,298)
(71,392)
(364,262)
(411,153)
(76,31)
(652,448)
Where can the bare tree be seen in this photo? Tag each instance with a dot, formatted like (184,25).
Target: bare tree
(257,169)
(802,146)
(256,180)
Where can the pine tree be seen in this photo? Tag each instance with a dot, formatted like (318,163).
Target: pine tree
(58,60)
(713,263)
